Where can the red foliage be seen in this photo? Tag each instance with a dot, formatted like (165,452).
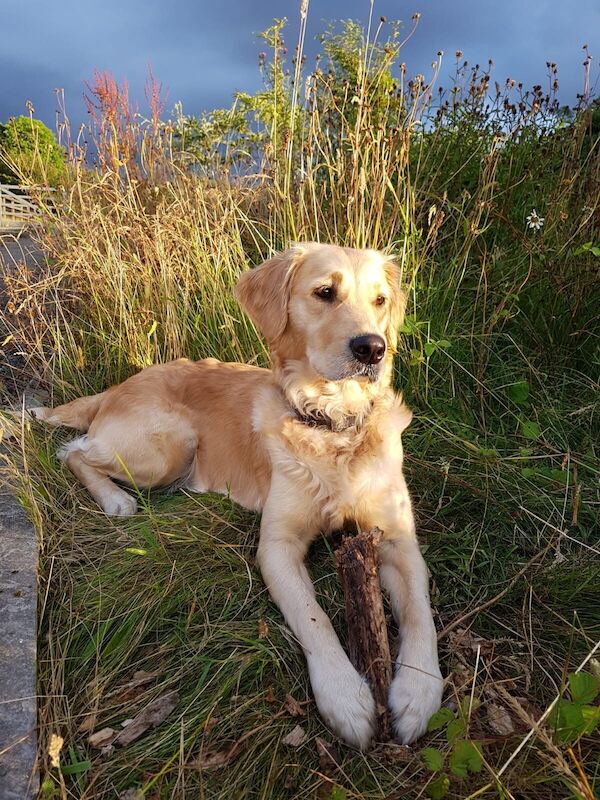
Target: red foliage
(113,121)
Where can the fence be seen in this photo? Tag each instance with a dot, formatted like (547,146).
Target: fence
(18,210)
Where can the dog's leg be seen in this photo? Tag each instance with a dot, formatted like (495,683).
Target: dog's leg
(113,500)
(342,695)
(416,690)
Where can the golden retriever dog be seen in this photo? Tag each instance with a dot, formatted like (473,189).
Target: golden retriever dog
(311,443)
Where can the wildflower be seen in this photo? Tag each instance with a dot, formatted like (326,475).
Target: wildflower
(534,220)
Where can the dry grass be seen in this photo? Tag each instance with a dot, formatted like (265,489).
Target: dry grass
(499,359)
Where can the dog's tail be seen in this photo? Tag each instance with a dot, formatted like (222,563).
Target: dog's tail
(77,414)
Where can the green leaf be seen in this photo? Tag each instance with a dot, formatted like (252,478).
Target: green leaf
(530,429)
(410,325)
(559,475)
(338,793)
(74,769)
(438,788)
(591,718)
(567,721)
(519,392)
(49,790)
(588,247)
(528,472)
(583,687)
(464,758)
(439,719)
(444,343)
(434,760)
(455,729)
(468,704)
(430,348)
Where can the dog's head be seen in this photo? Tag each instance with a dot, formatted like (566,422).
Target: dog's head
(337,308)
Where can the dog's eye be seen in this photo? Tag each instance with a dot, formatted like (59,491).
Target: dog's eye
(326,293)
(380,300)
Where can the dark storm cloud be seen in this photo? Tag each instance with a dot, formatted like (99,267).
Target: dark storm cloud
(202,52)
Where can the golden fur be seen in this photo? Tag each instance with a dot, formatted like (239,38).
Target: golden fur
(312,442)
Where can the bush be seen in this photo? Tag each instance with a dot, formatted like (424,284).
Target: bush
(30,154)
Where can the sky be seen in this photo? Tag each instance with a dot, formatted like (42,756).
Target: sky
(202,52)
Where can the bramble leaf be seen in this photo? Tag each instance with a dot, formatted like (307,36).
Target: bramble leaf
(438,788)
(465,757)
(439,719)
(433,758)
(455,729)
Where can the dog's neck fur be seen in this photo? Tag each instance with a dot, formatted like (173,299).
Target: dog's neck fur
(336,405)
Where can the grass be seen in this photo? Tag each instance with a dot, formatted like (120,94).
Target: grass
(499,358)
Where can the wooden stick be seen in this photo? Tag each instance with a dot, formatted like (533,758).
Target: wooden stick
(368,646)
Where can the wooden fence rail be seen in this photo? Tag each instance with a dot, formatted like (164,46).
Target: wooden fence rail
(18,209)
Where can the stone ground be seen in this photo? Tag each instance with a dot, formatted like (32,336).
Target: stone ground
(18,603)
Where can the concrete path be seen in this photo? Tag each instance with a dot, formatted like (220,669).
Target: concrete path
(18,620)
(18,630)
(18,247)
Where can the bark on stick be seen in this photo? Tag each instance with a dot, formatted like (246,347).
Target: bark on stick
(368,646)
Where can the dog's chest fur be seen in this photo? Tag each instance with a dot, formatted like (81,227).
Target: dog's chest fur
(340,474)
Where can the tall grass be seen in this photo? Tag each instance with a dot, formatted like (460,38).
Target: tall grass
(499,358)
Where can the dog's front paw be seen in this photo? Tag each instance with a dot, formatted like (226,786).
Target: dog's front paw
(344,701)
(415,694)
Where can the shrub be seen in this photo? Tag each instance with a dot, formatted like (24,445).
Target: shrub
(30,154)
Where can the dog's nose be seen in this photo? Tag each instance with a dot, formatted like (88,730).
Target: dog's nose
(368,349)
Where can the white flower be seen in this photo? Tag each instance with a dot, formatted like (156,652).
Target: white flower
(534,220)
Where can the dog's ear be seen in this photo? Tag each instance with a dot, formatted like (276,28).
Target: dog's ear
(397,303)
(264,292)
